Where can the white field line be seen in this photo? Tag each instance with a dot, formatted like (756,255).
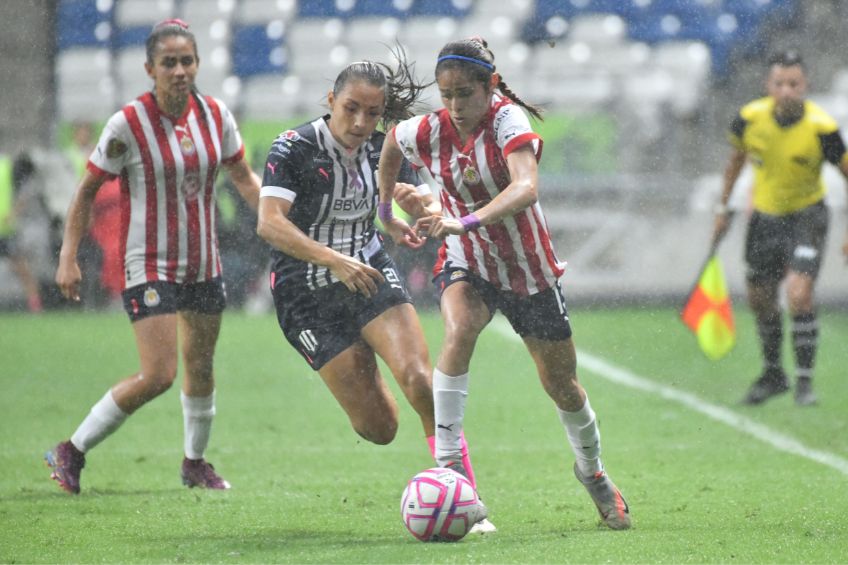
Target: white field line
(619,375)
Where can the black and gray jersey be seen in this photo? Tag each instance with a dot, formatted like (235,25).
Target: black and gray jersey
(333,192)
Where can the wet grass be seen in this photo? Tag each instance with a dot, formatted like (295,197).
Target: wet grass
(307,489)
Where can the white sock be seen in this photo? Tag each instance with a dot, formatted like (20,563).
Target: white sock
(198,412)
(584,437)
(449,394)
(105,417)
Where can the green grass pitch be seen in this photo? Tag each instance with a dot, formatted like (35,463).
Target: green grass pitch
(307,489)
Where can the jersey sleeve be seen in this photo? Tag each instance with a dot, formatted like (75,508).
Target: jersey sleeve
(833,147)
(406,135)
(282,176)
(408,173)
(113,148)
(232,147)
(737,131)
(512,131)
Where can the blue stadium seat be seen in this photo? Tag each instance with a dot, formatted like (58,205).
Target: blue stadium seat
(80,24)
(320,9)
(130,36)
(383,8)
(569,8)
(258,50)
(754,12)
(448,8)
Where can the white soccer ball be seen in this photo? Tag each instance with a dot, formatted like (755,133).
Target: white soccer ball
(440,505)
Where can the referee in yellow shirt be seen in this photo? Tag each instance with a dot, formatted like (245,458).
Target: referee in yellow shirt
(787,139)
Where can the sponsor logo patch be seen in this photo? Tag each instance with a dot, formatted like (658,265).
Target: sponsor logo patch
(115,148)
(470,176)
(187,146)
(151,298)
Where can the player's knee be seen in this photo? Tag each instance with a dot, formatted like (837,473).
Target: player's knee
(415,380)
(461,334)
(379,433)
(159,381)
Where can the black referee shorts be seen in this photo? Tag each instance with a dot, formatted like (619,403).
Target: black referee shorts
(795,241)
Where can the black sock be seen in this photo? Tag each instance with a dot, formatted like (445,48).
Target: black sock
(770,329)
(805,339)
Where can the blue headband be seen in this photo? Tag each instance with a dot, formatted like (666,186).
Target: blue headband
(467,59)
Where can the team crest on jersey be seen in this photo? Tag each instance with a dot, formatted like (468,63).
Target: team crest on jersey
(290,135)
(470,176)
(115,148)
(187,146)
(191,186)
(151,298)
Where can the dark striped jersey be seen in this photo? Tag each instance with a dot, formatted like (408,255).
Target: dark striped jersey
(333,192)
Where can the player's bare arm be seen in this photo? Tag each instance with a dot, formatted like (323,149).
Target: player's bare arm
(521,193)
(731,175)
(68,275)
(246,181)
(843,168)
(391,159)
(274,227)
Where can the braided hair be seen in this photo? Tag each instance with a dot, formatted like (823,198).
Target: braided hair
(402,90)
(474,57)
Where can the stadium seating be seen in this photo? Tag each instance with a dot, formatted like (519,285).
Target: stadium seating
(304,43)
(259,49)
(81,23)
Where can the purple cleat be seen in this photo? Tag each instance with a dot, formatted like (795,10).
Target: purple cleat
(67,462)
(201,473)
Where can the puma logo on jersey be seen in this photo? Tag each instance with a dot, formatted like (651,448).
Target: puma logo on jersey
(324,173)
(272,167)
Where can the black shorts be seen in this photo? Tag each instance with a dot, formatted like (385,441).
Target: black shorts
(794,241)
(160,297)
(321,323)
(542,315)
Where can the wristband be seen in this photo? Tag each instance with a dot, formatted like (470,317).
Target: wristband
(384,211)
(470,222)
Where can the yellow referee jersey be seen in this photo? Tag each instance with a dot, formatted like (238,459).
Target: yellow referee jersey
(787,157)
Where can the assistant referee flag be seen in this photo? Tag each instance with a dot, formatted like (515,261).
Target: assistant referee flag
(709,313)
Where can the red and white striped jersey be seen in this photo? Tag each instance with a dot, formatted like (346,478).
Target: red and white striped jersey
(167,168)
(514,253)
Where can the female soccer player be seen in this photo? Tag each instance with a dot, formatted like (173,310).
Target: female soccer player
(339,297)
(166,147)
(497,251)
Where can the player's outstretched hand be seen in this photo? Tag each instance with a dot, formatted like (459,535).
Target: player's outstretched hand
(439,226)
(356,276)
(410,201)
(402,234)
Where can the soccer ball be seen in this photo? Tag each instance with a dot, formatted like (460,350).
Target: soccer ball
(440,505)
